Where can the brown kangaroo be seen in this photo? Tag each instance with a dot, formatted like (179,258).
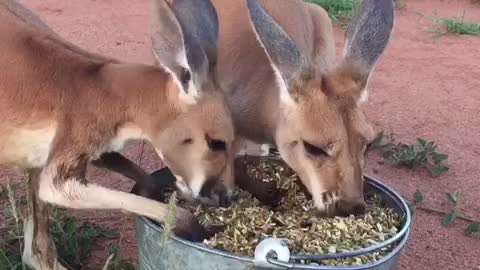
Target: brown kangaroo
(276,64)
(204,28)
(62,107)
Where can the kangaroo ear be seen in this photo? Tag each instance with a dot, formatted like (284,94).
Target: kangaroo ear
(199,22)
(168,44)
(184,37)
(285,56)
(365,40)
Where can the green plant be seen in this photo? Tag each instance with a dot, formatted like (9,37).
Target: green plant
(168,227)
(417,200)
(449,217)
(116,263)
(457,200)
(11,261)
(72,240)
(399,4)
(458,25)
(454,25)
(11,247)
(342,11)
(339,11)
(422,154)
(473,229)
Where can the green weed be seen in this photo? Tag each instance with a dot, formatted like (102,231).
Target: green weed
(457,200)
(422,154)
(72,240)
(473,229)
(116,263)
(339,11)
(417,200)
(449,216)
(454,25)
(399,4)
(342,11)
(11,241)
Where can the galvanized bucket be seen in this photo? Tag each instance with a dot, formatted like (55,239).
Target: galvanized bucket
(179,254)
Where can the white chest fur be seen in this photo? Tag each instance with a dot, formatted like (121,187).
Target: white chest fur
(26,147)
(30,147)
(125,134)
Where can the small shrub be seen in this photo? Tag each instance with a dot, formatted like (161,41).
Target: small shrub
(73,241)
(339,11)
(423,154)
(454,25)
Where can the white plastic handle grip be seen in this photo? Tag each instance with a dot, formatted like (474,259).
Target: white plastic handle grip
(279,246)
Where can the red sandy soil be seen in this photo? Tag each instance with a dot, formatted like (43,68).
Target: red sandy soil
(422,87)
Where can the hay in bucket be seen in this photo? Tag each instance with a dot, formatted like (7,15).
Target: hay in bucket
(247,221)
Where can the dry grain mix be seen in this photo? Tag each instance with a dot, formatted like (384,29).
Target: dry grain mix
(248,221)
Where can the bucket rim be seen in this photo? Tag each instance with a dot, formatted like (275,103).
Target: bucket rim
(395,252)
(401,236)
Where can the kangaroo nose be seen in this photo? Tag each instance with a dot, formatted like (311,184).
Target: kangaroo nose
(216,191)
(350,207)
(208,187)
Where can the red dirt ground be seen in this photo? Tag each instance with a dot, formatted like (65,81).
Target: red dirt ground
(422,87)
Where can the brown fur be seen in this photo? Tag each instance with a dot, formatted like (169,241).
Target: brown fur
(327,97)
(62,107)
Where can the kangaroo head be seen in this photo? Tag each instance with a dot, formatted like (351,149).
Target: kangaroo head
(321,131)
(195,146)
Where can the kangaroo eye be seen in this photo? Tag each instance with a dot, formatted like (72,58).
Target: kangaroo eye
(216,145)
(314,150)
(187,141)
(185,76)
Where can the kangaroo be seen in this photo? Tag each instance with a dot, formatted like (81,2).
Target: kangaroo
(62,107)
(205,30)
(276,63)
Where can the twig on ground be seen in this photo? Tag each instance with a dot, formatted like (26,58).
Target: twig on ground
(441,212)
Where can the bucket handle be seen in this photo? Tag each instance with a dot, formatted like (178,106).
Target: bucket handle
(264,250)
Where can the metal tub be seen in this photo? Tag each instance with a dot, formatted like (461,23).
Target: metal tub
(179,254)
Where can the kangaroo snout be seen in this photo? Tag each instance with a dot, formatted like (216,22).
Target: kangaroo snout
(214,192)
(346,207)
